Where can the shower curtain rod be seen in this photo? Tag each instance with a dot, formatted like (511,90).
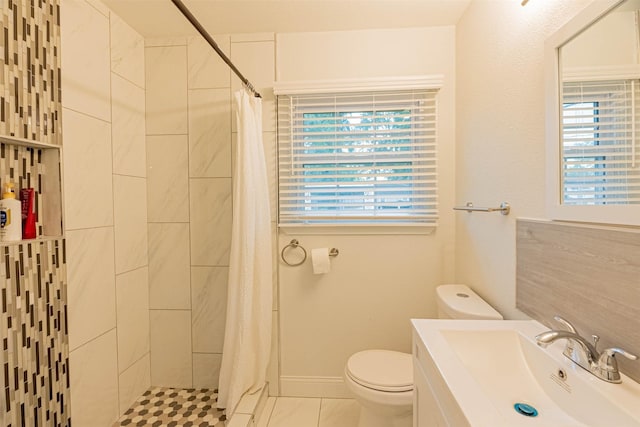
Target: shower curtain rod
(187,14)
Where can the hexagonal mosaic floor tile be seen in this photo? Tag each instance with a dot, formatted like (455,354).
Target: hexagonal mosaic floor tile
(172,407)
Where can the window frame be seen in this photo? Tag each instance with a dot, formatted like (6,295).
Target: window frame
(333,221)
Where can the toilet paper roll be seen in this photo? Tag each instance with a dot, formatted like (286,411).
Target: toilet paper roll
(320,260)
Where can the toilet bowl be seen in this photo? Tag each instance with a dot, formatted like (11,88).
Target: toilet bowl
(382,383)
(382,380)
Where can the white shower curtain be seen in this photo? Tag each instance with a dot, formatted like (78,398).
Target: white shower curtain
(247,339)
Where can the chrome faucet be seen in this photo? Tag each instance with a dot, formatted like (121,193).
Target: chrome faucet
(603,365)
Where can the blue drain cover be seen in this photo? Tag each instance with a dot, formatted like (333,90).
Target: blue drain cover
(526,410)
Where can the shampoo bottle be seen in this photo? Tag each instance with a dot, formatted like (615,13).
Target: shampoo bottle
(10,215)
(27,197)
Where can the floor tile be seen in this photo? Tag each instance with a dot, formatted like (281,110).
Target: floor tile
(170,407)
(339,413)
(295,412)
(240,420)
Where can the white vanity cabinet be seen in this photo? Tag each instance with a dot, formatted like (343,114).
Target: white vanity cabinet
(426,412)
(433,403)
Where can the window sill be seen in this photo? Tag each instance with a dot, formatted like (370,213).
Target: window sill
(351,229)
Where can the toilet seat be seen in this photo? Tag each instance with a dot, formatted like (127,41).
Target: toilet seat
(382,370)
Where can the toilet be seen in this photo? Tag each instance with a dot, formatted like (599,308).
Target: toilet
(382,380)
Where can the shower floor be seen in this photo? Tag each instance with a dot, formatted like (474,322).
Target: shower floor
(173,407)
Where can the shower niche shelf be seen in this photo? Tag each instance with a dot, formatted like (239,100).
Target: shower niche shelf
(35,164)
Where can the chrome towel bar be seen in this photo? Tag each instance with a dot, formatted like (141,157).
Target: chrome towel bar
(504,208)
(294,244)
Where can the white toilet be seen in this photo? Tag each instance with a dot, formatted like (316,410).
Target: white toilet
(382,380)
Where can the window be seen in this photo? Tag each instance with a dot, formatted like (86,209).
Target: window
(357,158)
(599,162)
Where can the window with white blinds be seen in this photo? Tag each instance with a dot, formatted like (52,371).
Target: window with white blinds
(600,164)
(357,158)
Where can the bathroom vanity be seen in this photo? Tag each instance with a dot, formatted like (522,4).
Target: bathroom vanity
(492,373)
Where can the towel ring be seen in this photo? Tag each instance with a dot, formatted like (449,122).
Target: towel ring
(293,244)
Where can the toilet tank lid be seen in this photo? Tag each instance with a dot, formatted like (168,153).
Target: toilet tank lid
(465,303)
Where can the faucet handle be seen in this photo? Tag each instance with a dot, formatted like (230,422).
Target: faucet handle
(564,322)
(607,366)
(611,352)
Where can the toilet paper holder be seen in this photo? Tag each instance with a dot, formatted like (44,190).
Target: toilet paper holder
(294,244)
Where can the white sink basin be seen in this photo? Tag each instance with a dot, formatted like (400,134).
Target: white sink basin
(488,366)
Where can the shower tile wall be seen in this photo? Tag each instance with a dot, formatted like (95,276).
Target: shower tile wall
(30,56)
(34,350)
(190,140)
(105,210)
(189,188)
(33,335)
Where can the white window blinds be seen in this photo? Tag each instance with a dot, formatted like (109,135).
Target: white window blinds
(357,158)
(599,150)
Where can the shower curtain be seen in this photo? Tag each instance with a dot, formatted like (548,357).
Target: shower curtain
(247,339)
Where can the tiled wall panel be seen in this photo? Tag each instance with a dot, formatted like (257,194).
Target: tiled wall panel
(34,377)
(590,275)
(30,80)
(33,332)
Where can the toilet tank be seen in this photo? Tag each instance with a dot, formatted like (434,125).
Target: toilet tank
(460,302)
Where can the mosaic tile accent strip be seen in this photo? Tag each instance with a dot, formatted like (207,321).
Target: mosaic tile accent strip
(34,345)
(30,92)
(24,167)
(172,407)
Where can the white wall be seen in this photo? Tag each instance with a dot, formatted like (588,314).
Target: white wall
(379,281)
(500,134)
(105,211)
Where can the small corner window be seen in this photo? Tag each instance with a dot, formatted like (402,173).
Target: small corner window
(357,158)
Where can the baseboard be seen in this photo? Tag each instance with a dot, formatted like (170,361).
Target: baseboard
(329,387)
